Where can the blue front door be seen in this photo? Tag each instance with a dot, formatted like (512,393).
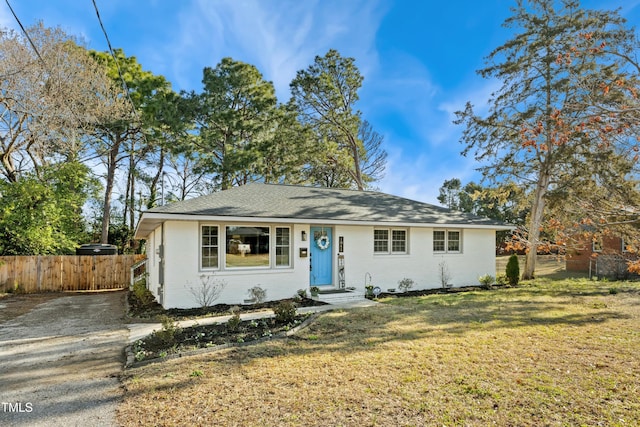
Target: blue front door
(321,259)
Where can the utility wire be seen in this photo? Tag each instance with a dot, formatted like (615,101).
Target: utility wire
(115,59)
(35,49)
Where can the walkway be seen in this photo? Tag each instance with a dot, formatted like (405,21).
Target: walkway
(140,330)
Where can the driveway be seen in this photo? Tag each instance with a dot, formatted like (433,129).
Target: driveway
(59,362)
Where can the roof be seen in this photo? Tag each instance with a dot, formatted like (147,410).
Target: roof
(312,205)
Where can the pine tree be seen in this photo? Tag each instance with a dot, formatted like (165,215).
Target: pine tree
(545,129)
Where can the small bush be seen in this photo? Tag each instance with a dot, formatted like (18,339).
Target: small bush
(285,312)
(486,281)
(445,275)
(143,295)
(167,335)
(501,279)
(513,270)
(405,284)
(233,324)
(207,291)
(257,294)
(302,294)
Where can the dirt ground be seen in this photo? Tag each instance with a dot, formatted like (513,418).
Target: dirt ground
(61,356)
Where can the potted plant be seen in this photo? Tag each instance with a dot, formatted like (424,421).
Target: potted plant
(369,291)
(314,291)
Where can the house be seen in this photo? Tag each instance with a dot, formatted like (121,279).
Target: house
(284,238)
(600,256)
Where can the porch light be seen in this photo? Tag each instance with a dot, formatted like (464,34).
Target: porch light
(304,236)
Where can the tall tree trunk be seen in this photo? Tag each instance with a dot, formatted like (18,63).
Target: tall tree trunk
(535,222)
(111,174)
(153,191)
(357,169)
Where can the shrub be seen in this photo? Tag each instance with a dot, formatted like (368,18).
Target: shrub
(285,312)
(208,291)
(405,284)
(168,332)
(302,294)
(513,270)
(257,294)
(233,324)
(486,281)
(144,297)
(445,275)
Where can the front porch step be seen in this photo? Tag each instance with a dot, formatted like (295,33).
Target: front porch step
(340,296)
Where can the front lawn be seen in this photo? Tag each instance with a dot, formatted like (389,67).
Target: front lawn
(545,353)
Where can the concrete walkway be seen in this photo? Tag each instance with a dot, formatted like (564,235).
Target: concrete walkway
(138,331)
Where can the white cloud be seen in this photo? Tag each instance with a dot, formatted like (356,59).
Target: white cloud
(279,38)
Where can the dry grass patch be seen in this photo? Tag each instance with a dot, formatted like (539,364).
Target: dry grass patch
(547,353)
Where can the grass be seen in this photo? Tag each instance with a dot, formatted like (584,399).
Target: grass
(549,352)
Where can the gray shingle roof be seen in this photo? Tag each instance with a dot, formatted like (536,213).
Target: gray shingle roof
(318,203)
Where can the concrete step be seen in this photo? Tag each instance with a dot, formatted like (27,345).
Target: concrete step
(340,297)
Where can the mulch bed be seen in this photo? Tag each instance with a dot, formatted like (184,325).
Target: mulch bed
(153,311)
(165,343)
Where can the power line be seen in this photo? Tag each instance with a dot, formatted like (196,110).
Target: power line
(115,59)
(24,31)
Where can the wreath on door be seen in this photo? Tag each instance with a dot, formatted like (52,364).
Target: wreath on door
(323,242)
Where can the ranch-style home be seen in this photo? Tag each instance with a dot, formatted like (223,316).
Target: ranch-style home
(284,238)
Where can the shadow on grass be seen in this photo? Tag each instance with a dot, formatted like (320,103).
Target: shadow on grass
(403,320)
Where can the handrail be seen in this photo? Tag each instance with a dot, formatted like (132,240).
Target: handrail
(133,276)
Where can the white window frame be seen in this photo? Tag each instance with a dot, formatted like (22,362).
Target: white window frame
(222,246)
(446,232)
(276,246)
(201,246)
(390,241)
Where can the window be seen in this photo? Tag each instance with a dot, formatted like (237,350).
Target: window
(447,241)
(399,241)
(439,241)
(209,246)
(283,247)
(381,241)
(247,246)
(382,244)
(453,241)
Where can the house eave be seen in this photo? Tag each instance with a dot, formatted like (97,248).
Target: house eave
(150,221)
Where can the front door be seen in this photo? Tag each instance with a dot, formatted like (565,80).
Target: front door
(321,259)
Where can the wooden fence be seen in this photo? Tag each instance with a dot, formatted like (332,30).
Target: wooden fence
(30,274)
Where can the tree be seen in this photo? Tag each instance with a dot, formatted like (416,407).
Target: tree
(50,100)
(450,193)
(537,130)
(41,215)
(235,115)
(512,270)
(150,117)
(374,157)
(325,95)
(244,135)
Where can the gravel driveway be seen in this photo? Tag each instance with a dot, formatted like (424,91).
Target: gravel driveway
(59,363)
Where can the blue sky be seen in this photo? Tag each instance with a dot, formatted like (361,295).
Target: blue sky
(418,58)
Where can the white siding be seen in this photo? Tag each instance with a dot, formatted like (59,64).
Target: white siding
(153,243)
(182,271)
(420,263)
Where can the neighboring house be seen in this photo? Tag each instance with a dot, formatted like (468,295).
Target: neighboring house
(604,256)
(285,238)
